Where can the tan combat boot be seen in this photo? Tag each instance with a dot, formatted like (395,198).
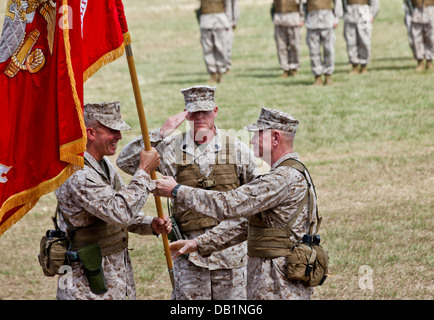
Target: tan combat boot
(318,81)
(219,77)
(363,68)
(429,65)
(293,72)
(285,74)
(419,67)
(328,80)
(213,77)
(355,69)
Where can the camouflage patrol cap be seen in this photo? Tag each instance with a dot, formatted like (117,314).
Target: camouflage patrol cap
(274,119)
(107,113)
(199,98)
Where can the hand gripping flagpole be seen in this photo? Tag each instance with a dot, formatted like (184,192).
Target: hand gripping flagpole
(147,142)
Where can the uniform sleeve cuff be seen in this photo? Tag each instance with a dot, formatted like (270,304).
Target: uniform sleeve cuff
(145,179)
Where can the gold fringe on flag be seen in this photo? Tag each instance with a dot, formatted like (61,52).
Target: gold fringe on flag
(105,59)
(28,198)
(68,152)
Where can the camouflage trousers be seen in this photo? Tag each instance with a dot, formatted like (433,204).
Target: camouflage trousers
(423,40)
(216,53)
(358,38)
(315,39)
(288,47)
(197,283)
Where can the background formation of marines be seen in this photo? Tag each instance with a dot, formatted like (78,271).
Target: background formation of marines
(219,17)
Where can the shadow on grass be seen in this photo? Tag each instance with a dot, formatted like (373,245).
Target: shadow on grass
(341,68)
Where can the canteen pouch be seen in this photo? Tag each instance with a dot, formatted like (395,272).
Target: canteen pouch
(52,252)
(308,263)
(91,259)
(175,234)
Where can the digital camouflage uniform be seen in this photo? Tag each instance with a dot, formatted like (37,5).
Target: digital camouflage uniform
(422,31)
(288,17)
(222,275)
(88,196)
(320,19)
(276,195)
(358,18)
(217,20)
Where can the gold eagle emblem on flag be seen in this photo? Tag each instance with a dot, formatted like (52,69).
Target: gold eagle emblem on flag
(16,45)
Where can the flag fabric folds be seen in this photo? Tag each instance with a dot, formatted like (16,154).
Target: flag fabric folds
(104,24)
(47,51)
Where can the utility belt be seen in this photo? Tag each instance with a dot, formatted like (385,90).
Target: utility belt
(284,6)
(189,221)
(212,6)
(313,5)
(307,260)
(422,3)
(365,2)
(86,245)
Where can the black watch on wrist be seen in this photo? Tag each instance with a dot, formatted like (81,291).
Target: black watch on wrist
(174,191)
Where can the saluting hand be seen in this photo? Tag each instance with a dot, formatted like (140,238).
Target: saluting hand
(172,123)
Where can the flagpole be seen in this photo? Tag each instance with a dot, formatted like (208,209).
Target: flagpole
(147,142)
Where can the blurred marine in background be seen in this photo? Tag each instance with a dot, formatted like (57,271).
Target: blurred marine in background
(422,32)
(321,19)
(217,20)
(288,17)
(358,23)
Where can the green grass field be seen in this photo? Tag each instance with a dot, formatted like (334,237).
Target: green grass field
(367,140)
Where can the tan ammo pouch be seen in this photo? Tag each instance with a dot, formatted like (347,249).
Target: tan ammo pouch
(308,263)
(52,253)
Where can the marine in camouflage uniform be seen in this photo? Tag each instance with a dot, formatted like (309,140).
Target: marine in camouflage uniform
(422,31)
(271,200)
(288,18)
(221,275)
(358,23)
(322,18)
(96,202)
(218,19)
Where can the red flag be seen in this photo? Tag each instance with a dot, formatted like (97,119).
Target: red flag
(42,133)
(47,50)
(104,24)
